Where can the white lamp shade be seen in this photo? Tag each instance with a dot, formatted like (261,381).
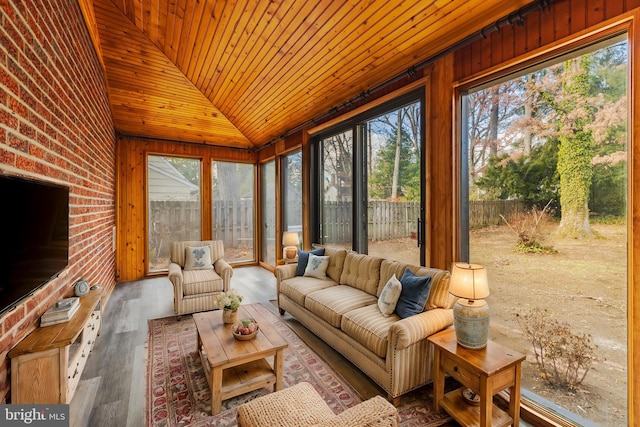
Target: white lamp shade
(290,238)
(469,281)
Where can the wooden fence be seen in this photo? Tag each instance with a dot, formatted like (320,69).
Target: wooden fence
(233,221)
(484,213)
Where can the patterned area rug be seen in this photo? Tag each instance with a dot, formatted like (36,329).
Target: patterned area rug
(178,393)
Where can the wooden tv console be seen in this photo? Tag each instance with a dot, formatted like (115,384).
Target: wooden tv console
(46,366)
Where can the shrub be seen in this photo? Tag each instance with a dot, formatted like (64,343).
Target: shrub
(564,357)
(532,230)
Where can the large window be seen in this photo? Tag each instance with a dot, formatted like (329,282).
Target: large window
(545,188)
(370,186)
(336,203)
(292,193)
(232,209)
(268,212)
(173,195)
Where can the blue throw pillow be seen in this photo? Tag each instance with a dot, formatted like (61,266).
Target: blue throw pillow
(415,291)
(303,259)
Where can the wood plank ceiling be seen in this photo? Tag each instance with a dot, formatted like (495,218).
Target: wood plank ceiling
(242,73)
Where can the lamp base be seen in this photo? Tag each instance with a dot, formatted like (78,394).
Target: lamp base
(289,253)
(471,320)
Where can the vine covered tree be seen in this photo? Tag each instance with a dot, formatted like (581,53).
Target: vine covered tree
(561,137)
(577,147)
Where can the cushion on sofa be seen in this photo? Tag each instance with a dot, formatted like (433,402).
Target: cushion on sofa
(388,298)
(196,282)
(303,259)
(317,266)
(297,288)
(415,290)
(336,262)
(331,303)
(198,258)
(367,326)
(361,272)
(438,295)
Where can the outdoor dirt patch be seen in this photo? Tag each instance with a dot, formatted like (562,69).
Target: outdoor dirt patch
(583,284)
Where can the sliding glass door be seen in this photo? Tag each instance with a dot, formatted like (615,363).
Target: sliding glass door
(336,198)
(370,179)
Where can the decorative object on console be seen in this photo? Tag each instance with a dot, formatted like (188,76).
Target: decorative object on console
(60,312)
(471,313)
(81,288)
(290,241)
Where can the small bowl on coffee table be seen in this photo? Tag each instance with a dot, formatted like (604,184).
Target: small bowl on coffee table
(245,329)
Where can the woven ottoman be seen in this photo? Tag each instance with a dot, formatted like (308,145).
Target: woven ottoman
(300,405)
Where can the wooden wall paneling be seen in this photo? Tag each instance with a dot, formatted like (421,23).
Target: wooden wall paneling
(595,12)
(306,190)
(191,26)
(534,36)
(633,192)
(546,26)
(507,38)
(631,4)
(131,194)
(578,13)
(86,6)
(613,9)
(520,40)
(486,54)
(279,184)
(267,153)
(233,76)
(496,47)
(439,214)
(131,210)
(561,19)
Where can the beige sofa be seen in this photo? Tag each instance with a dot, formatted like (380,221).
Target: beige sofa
(342,310)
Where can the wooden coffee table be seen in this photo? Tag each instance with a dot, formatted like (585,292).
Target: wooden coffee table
(236,367)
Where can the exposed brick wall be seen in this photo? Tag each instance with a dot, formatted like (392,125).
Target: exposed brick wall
(55,125)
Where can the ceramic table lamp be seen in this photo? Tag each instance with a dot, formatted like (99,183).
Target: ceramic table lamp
(471,312)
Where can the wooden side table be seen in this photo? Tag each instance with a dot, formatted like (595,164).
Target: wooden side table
(487,372)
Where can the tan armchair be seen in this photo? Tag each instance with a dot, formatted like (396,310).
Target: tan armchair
(195,290)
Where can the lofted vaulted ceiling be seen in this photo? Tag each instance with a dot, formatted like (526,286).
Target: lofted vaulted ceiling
(242,73)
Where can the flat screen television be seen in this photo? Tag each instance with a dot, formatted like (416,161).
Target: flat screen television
(35,249)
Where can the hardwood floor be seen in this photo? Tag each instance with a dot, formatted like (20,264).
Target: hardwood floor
(112,387)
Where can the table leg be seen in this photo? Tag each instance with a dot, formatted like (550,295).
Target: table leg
(486,402)
(278,361)
(438,380)
(514,397)
(216,390)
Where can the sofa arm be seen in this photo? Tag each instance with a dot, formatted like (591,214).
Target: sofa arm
(406,332)
(286,271)
(175,275)
(225,271)
(376,411)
